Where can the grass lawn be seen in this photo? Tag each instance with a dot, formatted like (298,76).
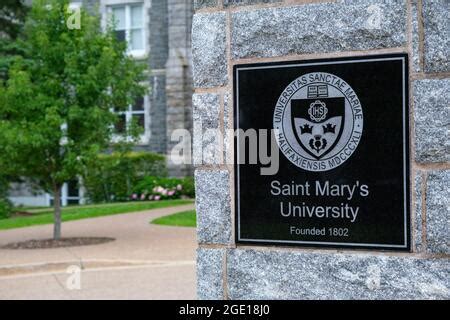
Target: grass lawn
(181,219)
(84,212)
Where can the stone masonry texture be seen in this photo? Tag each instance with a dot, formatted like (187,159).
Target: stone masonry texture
(206,108)
(170,80)
(415,59)
(229,3)
(432,120)
(436,35)
(213,202)
(228,128)
(318,28)
(417,213)
(288,28)
(209,50)
(294,275)
(199,4)
(210,273)
(158,41)
(179,76)
(438,212)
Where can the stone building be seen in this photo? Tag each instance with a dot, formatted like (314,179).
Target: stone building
(259,31)
(157,31)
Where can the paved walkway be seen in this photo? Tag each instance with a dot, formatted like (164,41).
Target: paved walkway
(145,262)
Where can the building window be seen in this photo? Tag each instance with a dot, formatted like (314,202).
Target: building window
(70,194)
(73,192)
(130,26)
(137,112)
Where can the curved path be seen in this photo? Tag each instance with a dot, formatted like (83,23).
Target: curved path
(144,262)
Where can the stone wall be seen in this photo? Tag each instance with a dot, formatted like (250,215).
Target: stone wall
(228,32)
(157,42)
(179,75)
(170,80)
(159,51)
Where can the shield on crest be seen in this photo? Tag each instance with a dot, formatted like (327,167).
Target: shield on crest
(318,123)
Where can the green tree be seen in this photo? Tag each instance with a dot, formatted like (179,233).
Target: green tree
(56,108)
(12,17)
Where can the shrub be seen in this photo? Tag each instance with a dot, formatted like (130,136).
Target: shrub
(5,209)
(188,187)
(161,188)
(112,177)
(5,205)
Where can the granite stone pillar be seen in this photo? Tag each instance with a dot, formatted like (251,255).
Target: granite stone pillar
(226,33)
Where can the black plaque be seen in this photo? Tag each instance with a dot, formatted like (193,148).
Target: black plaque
(341,130)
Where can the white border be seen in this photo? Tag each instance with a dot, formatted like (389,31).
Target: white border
(405,187)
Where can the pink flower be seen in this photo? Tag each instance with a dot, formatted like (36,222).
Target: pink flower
(134,196)
(143,196)
(157,198)
(179,187)
(171,193)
